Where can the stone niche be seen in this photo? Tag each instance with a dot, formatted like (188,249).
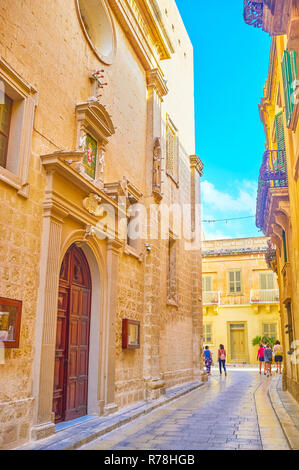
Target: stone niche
(94,127)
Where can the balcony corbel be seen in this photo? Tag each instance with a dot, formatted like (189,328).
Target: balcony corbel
(281,220)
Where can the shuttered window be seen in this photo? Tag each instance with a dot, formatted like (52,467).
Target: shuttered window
(280,162)
(285,251)
(266,281)
(207,284)
(234,279)
(289,74)
(172,152)
(207,333)
(270,330)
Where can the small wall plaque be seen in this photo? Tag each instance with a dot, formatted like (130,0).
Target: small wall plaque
(10,322)
(130,334)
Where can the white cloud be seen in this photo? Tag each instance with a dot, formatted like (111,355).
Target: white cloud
(222,201)
(214,235)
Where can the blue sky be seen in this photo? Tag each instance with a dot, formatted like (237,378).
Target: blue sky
(231,65)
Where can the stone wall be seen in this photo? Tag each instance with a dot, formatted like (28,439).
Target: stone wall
(44,43)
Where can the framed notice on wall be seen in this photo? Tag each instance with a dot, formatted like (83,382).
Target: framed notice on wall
(10,322)
(130,334)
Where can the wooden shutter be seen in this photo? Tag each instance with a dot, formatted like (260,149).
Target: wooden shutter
(269,329)
(285,251)
(289,74)
(287,84)
(266,281)
(172,152)
(232,281)
(238,281)
(207,284)
(208,333)
(280,139)
(235,281)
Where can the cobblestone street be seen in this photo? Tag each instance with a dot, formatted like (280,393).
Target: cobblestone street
(225,414)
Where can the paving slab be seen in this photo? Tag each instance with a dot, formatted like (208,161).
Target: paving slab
(75,436)
(287,412)
(220,416)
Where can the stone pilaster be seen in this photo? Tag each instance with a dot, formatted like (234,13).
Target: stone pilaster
(43,423)
(196,168)
(154,385)
(113,247)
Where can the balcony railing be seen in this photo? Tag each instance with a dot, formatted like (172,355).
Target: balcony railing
(253,12)
(264,296)
(273,174)
(211,298)
(271,15)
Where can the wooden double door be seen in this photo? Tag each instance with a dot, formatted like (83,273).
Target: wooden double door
(72,338)
(238,343)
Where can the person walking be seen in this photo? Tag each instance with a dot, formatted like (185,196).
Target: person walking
(278,355)
(261,358)
(208,359)
(222,359)
(268,359)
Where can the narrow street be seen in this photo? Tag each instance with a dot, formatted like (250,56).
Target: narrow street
(225,414)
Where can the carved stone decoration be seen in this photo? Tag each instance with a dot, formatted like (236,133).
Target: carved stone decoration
(157,167)
(97,85)
(91,203)
(82,141)
(94,128)
(101,160)
(270,256)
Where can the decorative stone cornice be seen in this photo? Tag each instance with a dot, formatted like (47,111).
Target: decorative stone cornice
(145,30)
(95,119)
(155,79)
(62,163)
(196,163)
(123,188)
(24,88)
(233,251)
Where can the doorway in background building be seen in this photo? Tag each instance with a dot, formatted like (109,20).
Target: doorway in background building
(237,333)
(72,338)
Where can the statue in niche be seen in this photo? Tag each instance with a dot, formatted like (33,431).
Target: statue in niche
(102,163)
(157,166)
(82,141)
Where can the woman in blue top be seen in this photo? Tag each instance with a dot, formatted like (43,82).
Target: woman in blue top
(208,359)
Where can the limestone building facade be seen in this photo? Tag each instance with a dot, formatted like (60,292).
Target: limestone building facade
(277,203)
(240,297)
(100,299)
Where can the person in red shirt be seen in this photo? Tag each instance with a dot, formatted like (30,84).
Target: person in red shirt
(261,358)
(222,359)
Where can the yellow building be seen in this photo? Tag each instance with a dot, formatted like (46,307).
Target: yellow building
(240,297)
(96,140)
(278,194)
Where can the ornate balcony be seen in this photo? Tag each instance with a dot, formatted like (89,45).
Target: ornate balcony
(272,16)
(211,298)
(264,296)
(272,178)
(253,13)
